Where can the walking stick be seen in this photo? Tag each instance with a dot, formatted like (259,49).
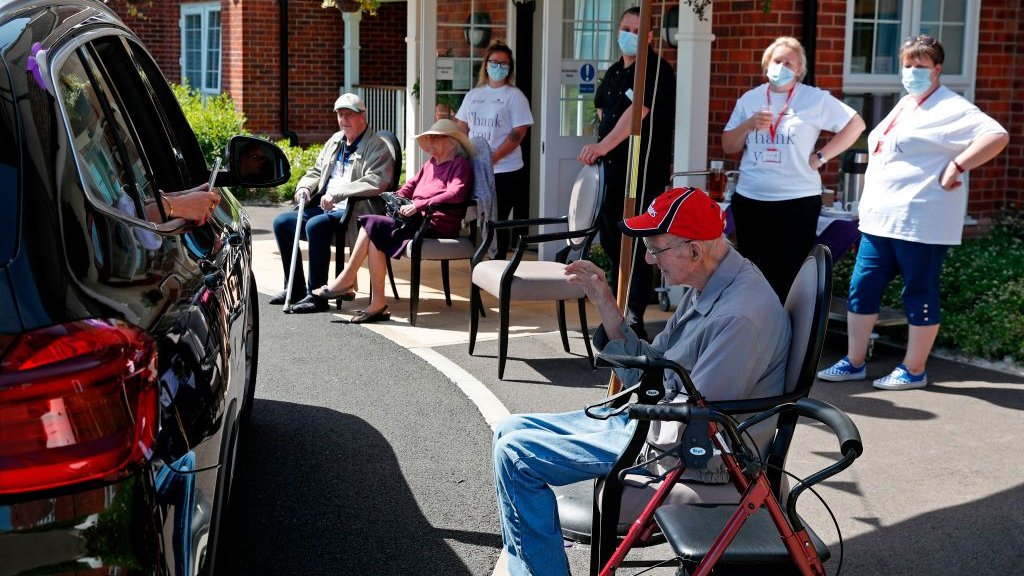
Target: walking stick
(295,255)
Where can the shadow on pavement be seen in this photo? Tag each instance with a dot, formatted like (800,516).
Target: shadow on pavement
(981,537)
(321,492)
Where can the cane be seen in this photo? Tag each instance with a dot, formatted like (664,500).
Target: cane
(295,255)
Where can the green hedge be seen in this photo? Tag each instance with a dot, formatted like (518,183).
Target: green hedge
(214,120)
(982,293)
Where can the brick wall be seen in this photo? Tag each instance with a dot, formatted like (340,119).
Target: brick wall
(158,27)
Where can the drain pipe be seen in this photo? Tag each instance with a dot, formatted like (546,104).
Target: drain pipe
(810,40)
(292,137)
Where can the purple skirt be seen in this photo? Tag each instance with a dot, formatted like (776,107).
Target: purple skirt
(388,235)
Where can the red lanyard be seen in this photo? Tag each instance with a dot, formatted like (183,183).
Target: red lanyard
(774,127)
(900,111)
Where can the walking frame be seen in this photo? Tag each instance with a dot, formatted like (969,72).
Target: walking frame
(705,433)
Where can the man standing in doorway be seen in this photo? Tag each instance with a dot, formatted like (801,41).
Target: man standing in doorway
(614,102)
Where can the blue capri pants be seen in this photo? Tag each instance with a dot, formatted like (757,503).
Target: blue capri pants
(880,259)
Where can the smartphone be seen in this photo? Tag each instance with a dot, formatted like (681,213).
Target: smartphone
(214,171)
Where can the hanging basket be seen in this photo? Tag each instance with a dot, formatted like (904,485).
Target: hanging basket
(348,5)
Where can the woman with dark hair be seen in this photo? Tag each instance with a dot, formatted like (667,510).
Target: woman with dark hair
(912,210)
(499,113)
(778,197)
(445,182)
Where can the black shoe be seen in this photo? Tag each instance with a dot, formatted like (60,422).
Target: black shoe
(311,304)
(278,299)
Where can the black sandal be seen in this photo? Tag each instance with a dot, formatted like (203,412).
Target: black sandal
(366,317)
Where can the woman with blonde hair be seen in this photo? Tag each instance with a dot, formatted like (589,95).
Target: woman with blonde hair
(778,197)
(499,113)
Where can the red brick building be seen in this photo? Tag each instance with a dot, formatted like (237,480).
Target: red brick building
(250,33)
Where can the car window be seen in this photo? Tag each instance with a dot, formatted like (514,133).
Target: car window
(9,193)
(143,117)
(111,168)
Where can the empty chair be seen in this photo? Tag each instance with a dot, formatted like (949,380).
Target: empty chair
(527,280)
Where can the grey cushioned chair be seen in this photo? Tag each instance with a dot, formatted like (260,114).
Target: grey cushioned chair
(608,507)
(528,280)
(423,247)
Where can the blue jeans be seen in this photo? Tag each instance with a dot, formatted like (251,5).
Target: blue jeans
(319,228)
(535,451)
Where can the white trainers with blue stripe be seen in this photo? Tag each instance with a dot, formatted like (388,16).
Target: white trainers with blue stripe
(901,379)
(844,370)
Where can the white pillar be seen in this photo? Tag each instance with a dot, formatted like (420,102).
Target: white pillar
(352,20)
(693,92)
(412,74)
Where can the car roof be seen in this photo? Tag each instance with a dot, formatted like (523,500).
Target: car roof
(63,15)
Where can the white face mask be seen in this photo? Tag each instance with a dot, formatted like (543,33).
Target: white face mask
(916,81)
(779,75)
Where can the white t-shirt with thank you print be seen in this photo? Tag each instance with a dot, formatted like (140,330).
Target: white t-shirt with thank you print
(903,197)
(492,113)
(341,175)
(777,169)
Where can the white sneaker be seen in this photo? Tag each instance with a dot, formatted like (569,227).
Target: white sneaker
(901,379)
(844,370)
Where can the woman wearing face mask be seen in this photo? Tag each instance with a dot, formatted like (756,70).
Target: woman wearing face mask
(912,210)
(778,196)
(499,113)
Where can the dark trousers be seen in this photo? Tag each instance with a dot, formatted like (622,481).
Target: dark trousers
(318,229)
(776,236)
(642,274)
(513,197)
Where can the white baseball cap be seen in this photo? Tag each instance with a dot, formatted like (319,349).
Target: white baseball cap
(351,102)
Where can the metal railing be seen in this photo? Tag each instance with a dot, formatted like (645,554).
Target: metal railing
(385,108)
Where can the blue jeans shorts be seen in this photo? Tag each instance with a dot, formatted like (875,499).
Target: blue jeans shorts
(879,260)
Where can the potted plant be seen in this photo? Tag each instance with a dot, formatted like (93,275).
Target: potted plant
(368,6)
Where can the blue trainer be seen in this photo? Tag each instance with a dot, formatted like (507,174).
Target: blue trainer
(901,379)
(844,370)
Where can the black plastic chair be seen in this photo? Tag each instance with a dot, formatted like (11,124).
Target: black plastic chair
(594,511)
(529,280)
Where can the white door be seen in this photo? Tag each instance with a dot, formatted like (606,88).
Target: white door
(578,46)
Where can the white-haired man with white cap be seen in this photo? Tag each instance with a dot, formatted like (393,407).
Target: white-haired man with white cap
(353,168)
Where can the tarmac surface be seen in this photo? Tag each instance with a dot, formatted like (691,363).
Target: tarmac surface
(937,490)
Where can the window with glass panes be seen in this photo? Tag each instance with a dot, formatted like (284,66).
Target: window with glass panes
(200,46)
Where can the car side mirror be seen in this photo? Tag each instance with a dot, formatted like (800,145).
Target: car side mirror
(254,163)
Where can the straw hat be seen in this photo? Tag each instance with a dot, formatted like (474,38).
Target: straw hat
(449,128)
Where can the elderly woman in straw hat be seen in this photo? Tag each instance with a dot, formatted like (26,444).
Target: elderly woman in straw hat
(445,182)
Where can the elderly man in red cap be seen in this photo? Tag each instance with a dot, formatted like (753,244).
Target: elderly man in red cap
(729,332)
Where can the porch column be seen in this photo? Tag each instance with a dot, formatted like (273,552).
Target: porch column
(693,91)
(352,20)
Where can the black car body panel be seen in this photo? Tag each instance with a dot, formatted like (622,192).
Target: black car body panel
(76,244)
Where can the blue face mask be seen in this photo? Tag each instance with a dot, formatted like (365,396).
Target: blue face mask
(916,81)
(628,42)
(497,73)
(779,75)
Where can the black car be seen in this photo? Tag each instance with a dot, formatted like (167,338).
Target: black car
(128,336)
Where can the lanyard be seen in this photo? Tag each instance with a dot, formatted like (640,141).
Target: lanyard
(774,126)
(900,111)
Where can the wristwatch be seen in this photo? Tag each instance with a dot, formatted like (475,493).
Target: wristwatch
(821,157)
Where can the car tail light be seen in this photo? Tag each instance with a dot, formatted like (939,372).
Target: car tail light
(78,402)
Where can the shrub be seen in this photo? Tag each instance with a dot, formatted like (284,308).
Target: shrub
(982,293)
(213,118)
(300,159)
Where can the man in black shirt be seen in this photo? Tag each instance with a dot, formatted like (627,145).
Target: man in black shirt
(614,102)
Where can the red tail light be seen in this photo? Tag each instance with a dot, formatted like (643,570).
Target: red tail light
(78,402)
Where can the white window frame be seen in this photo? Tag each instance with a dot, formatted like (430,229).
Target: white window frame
(910,23)
(203,10)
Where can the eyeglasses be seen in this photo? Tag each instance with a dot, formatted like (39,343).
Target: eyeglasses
(655,252)
(922,39)
(499,64)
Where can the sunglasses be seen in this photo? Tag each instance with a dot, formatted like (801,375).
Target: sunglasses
(502,65)
(922,39)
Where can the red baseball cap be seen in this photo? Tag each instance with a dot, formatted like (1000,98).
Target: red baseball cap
(684,212)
